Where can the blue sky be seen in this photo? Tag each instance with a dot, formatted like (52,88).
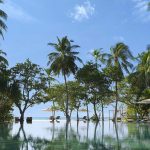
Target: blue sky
(90,23)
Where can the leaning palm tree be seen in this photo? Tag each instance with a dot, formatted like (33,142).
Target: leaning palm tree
(63,61)
(3,17)
(118,59)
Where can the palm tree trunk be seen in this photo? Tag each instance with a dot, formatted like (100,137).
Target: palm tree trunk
(95,131)
(87,131)
(116,107)
(71,113)
(95,112)
(102,133)
(54,108)
(96,63)
(87,111)
(67,99)
(78,128)
(67,123)
(102,112)
(77,114)
(117,137)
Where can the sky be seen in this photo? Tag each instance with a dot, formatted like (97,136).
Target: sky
(92,24)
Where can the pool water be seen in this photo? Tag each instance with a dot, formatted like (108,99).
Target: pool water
(45,135)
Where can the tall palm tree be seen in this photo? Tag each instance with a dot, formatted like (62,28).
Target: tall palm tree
(3,17)
(63,61)
(118,59)
(144,65)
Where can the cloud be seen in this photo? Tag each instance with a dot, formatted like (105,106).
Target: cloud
(118,38)
(141,10)
(83,11)
(14,11)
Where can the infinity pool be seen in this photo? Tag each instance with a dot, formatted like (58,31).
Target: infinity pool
(45,135)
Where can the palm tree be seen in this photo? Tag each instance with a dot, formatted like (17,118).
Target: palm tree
(3,17)
(144,65)
(118,59)
(97,55)
(63,61)
(3,60)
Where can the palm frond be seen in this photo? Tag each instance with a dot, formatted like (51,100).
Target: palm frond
(2,53)
(3,14)
(3,25)
(1,33)
(63,60)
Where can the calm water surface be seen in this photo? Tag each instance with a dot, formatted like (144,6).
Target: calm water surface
(44,135)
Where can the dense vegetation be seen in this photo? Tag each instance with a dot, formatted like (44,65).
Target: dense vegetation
(110,78)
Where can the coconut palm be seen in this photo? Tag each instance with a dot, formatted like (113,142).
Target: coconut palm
(3,17)
(3,60)
(144,65)
(118,59)
(98,55)
(63,61)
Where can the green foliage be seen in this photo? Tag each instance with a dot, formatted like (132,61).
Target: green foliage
(131,113)
(6,111)
(31,80)
(57,94)
(49,78)
(3,17)
(117,63)
(119,56)
(76,94)
(113,73)
(6,90)
(132,90)
(144,66)
(96,82)
(63,59)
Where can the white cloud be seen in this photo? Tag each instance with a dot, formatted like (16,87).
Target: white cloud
(141,10)
(84,11)
(16,12)
(118,38)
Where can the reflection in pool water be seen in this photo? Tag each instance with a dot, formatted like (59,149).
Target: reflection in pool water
(44,135)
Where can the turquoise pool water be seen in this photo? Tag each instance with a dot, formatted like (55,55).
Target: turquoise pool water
(45,135)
